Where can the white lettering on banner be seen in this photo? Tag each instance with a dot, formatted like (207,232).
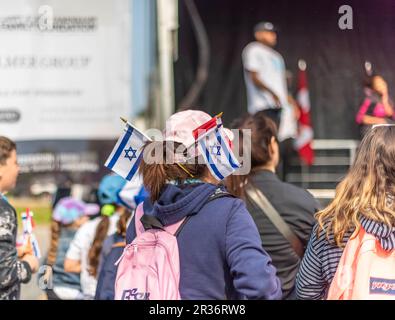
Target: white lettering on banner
(43,62)
(64,69)
(44,162)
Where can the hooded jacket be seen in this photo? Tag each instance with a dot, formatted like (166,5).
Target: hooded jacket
(221,255)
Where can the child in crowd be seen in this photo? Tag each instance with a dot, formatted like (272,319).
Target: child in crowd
(85,249)
(69,215)
(132,194)
(16,267)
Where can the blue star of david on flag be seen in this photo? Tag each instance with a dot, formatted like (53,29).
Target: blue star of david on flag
(216,150)
(126,156)
(127,153)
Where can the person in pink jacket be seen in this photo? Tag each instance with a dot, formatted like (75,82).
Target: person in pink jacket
(377,107)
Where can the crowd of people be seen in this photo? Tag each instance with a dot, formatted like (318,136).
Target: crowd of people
(229,247)
(250,236)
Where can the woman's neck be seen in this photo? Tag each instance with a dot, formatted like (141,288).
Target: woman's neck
(210,179)
(268,167)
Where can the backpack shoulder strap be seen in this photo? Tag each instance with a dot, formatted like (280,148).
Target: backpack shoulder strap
(338,290)
(259,199)
(137,217)
(181,225)
(219,193)
(144,222)
(151,222)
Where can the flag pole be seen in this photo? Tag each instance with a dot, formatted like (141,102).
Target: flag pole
(302,65)
(124,120)
(179,164)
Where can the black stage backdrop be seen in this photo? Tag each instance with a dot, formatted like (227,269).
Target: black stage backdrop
(308,30)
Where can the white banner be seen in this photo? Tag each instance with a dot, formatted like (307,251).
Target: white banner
(64,68)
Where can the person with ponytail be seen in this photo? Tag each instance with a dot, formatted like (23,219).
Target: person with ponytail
(69,214)
(132,194)
(220,251)
(364,203)
(84,251)
(295,206)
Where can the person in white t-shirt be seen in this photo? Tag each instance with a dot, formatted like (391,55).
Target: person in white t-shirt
(84,251)
(288,132)
(265,74)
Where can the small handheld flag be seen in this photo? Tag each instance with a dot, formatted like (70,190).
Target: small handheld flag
(216,151)
(29,239)
(126,156)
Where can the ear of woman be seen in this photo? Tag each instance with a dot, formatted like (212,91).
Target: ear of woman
(272,146)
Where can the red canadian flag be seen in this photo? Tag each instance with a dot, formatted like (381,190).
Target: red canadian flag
(305,131)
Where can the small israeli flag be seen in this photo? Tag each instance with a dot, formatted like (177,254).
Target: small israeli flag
(217,153)
(126,156)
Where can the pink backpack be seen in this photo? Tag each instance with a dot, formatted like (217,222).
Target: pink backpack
(365,272)
(149,268)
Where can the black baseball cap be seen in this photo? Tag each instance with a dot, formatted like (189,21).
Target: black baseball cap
(265,26)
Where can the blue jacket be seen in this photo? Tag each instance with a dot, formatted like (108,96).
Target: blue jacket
(221,255)
(105,289)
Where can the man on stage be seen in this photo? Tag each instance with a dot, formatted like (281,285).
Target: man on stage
(264,73)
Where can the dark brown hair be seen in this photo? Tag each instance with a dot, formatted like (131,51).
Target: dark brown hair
(6,147)
(122,223)
(156,174)
(53,247)
(97,244)
(101,235)
(263,129)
